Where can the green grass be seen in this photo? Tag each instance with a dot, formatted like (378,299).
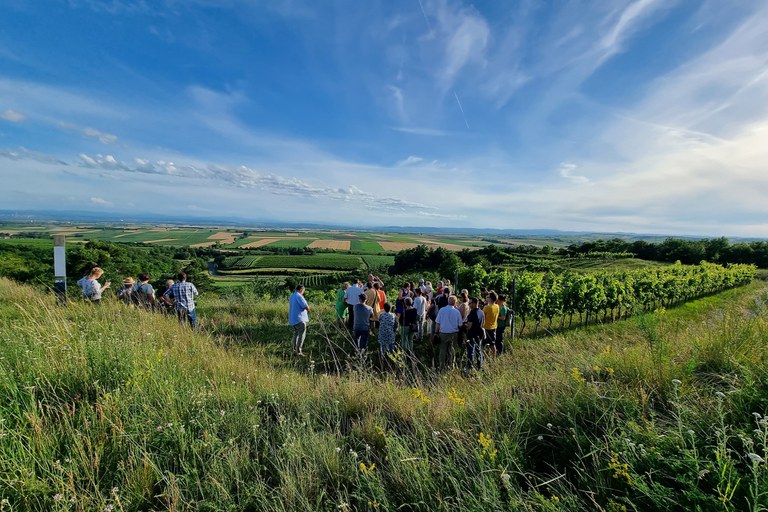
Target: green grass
(114,408)
(366,246)
(31,242)
(378,261)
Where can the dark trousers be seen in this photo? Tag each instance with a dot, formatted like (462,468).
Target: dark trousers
(500,340)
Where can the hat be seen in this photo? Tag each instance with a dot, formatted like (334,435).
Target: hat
(128,280)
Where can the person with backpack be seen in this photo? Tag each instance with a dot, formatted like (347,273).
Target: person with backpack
(91,287)
(143,294)
(126,291)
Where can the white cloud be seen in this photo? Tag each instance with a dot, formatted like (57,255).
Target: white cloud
(245,177)
(566,171)
(104,138)
(411,160)
(13,116)
(100,201)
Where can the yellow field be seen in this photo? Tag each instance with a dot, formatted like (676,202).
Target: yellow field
(338,245)
(225,237)
(160,240)
(259,243)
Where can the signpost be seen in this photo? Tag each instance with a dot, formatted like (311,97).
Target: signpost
(60,268)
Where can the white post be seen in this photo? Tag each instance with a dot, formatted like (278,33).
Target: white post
(60,268)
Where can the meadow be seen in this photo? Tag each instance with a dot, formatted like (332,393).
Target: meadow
(112,408)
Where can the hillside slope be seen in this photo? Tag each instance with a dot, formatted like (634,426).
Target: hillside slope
(115,409)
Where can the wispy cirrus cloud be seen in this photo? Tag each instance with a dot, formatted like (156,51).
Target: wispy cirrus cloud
(104,138)
(13,116)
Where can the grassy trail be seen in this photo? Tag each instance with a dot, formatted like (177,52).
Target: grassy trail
(114,409)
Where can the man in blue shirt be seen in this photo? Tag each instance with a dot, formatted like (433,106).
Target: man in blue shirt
(298,318)
(183,294)
(448,323)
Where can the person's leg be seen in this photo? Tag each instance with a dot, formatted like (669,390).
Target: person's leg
(453,338)
(192,316)
(490,339)
(181,313)
(299,334)
(408,339)
(470,354)
(499,340)
(478,344)
(350,316)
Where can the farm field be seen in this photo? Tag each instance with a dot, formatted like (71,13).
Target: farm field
(227,237)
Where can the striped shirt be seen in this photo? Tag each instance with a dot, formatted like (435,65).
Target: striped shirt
(184,294)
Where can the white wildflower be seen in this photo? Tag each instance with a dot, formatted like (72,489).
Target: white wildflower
(755,458)
(676,382)
(58,497)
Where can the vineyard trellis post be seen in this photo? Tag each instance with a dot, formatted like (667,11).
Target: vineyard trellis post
(512,302)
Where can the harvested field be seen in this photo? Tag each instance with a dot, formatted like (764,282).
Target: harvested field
(205,244)
(225,237)
(160,240)
(445,245)
(259,243)
(338,245)
(127,233)
(396,246)
(291,234)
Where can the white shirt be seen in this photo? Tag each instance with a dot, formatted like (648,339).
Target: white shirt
(420,303)
(352,295)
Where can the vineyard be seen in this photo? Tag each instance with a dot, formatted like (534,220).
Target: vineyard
(610,294)
(311,262)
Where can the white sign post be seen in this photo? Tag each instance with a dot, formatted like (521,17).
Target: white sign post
(60,268)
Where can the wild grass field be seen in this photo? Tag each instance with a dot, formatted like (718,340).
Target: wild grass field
(111,408)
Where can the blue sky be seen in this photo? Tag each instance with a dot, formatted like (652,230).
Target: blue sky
(610,115)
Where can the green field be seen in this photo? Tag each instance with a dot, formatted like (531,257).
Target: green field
(365,246)
(291,243)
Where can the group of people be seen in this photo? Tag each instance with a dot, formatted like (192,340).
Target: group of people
(177,296)
(422,313)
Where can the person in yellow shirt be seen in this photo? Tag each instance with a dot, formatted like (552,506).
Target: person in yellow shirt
(491,313)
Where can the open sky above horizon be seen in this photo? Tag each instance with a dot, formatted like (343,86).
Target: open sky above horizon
(615,115)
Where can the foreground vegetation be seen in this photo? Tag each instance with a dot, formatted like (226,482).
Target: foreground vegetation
(115,409)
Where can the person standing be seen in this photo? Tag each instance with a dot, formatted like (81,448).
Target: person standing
(166,303)
(447,326)
(491,312)
(125,293)
(372,300)
(420,305)
(475,335)
(501,323)
(351,299)
(143,294)
(92,289)
(183,293)
(363,313)
(341,307)
(387,323)
(409,328)
(298,318)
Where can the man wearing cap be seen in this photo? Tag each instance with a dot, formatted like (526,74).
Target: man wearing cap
(447,325)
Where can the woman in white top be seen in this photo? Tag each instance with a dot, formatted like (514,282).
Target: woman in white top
(92,289)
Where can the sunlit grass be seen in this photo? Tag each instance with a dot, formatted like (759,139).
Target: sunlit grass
(110,408)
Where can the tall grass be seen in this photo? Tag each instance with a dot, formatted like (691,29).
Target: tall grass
(110,408)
